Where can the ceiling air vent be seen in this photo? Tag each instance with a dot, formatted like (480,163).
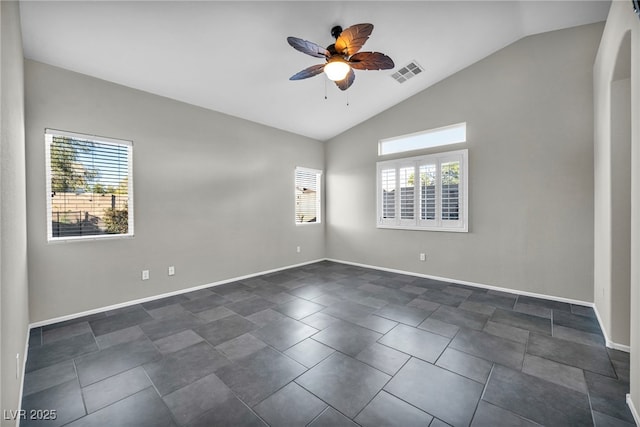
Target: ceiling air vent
(406,72)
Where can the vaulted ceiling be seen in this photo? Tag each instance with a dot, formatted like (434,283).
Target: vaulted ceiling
(233,56)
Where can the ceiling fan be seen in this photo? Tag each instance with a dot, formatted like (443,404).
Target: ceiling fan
(342,57)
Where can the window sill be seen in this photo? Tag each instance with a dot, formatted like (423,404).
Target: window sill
(415,228)
(58,240)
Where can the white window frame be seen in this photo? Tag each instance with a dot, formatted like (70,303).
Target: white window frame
(49,134)
(318,174)
(437,224)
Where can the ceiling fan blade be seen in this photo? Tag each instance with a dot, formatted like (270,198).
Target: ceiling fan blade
(353,38)
(371,61)
(345,83)
(314,70)
(308,47)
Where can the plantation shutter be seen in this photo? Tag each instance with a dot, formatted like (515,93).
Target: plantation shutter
(428,194)
(424,193)
(451,191)
(407,194)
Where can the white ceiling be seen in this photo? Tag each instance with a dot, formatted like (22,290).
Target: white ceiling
(233,57)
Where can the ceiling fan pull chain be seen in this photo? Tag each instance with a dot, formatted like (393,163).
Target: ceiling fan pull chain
(325,89)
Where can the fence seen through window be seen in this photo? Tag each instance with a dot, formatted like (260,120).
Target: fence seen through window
(425,192)
(89,186)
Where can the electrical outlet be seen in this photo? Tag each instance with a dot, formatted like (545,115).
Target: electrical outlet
(423,257)
(172,270)
(145,274)
(298,250)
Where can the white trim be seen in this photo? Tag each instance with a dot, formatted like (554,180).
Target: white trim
(426,228)
(24,368)
(608,342)
(633,410)
(319,189)
(48,138)
(165,295)
(426,143)
(88,137)
(616,346)
(467,283)
(415,223)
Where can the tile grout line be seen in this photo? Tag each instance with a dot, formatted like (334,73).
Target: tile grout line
(353,357)
(84,403)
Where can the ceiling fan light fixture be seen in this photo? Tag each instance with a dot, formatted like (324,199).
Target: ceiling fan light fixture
(342,57)
(336,70)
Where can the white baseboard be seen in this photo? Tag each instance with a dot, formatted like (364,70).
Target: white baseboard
(616,346)
(608,342)
(22,374)
(467,283)
(633,410)
(165,295)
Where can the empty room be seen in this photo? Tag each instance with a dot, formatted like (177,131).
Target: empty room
(320,213)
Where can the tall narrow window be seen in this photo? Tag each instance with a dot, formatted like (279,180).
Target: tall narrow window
(432,192)
(308,195)
(89,186)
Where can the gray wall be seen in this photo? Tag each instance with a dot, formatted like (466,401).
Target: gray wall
(13,226)
(621,209)
(213,195)
(619,51)
(528,109)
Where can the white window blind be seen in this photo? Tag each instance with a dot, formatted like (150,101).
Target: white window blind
(89,186)
(308,195)
(439,202)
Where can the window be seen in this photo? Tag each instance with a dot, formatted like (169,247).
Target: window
(446,135)
(424,193)
(308,195)
(89,187)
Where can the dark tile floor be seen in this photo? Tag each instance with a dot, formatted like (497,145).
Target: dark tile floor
(329,344)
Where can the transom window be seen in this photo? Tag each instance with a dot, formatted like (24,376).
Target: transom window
(438,137)
(89,186)
(426,192)
(308,195)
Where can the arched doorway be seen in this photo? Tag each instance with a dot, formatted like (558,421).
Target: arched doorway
(621,195)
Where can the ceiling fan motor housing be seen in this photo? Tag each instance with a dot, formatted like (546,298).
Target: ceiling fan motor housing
(336,31)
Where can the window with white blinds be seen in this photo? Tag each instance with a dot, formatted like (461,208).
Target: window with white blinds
(424,193)
(89,186)
(308,195)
